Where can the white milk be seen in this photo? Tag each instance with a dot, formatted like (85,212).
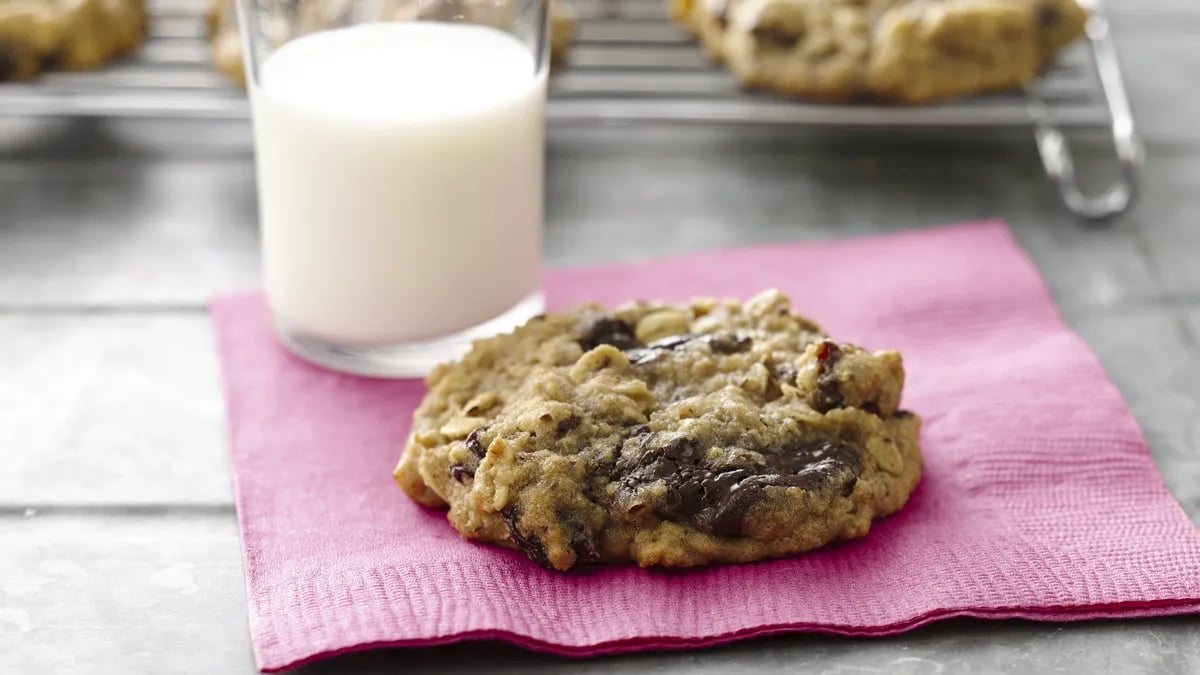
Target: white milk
(400,180)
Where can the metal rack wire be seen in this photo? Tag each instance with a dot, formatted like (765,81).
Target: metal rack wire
(631,64)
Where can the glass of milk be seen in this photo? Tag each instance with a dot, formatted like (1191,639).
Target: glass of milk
(399,154)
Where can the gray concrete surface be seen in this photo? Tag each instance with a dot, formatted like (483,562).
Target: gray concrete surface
(118,543)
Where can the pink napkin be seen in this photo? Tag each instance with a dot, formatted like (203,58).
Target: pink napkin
(1039,498)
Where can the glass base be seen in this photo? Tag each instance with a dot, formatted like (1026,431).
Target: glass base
(410,359)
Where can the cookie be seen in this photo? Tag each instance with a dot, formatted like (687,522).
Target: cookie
(225,44)
(909,51)
(672,435)
(562,32)
(709,23)
(961,48)
(682,11)
(799,47)
(224,40)
(70,34)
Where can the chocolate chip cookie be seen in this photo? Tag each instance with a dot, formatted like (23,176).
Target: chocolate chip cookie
(674,435)
(908,51)
(225,44)
(69,34)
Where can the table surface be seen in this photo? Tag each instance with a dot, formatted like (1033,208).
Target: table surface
(119,548)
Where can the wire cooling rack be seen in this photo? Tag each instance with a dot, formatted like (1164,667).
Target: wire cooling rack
(630,63)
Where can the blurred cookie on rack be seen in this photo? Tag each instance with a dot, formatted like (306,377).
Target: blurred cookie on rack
(902,51)
(707,20)
(36,35)
(562,32)
(226,45)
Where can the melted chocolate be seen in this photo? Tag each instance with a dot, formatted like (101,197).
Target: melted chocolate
(474,444)
(721,343)
(608,331)
(728,343)
(717,500)
(461,473)
(464,472)
(580,538)
(529,544)
(568,424)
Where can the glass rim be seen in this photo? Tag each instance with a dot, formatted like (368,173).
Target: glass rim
(527,20)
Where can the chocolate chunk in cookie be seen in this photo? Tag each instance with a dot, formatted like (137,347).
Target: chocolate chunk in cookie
(674,478)
(608,331)
(527,543)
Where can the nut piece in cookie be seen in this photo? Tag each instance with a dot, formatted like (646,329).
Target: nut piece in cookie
(676,435)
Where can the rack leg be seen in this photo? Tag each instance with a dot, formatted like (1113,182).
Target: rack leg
(1056,152)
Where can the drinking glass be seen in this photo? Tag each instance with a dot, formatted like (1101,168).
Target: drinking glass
(399,153)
